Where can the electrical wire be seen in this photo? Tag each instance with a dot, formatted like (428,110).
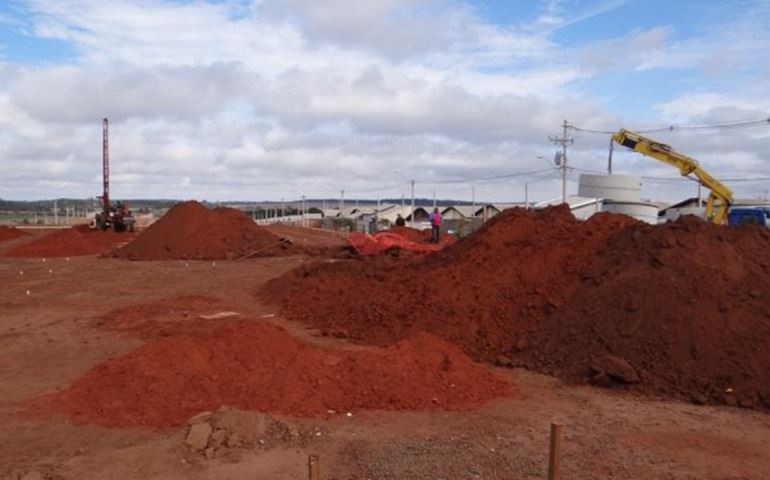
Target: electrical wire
(673,128)
(483,179)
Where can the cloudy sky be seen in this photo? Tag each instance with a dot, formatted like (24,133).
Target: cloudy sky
(270,99)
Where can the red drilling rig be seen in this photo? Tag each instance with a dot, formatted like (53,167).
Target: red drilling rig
(118,216)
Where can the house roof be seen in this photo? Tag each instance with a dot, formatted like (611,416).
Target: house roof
(467,211)
(390,214)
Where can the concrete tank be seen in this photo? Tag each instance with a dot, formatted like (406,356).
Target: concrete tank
(645,212)
(621,188)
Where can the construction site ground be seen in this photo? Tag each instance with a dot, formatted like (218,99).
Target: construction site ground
(51,335)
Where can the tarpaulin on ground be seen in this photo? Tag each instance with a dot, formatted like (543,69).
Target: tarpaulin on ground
(378,243)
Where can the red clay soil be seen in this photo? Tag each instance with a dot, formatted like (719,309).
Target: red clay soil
(189,314)
(71,242)
(679,310)
(478,293)
(255,366)
(9,233)
(190,231)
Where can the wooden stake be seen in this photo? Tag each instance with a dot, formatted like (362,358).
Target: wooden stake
(312,467)
(554,457)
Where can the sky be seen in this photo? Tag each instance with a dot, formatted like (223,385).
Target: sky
(274,99)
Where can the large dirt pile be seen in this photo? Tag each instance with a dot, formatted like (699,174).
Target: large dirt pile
(254,366)
(9,233)
(191,231)
(478,293)
(71,242)
(680,309)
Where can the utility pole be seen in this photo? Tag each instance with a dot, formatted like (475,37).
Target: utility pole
(56,212)
(402,200)
(609,160)
(700,204)
(282,207)
(564,140)
(412,203)
(304,211)
(526,195)
(342,200)
(473,199)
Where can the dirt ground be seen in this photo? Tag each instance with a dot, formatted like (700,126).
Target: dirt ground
(50,335)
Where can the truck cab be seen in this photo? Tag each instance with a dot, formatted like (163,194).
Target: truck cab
(749,216)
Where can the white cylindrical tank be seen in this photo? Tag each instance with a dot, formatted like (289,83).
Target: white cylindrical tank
(621,188)
(645,212)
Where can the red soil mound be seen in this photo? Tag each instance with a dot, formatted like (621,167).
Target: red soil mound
(478,293)
(680,309)
(71,242)
(191,231)
(254,366)
(189,314)
(9,233)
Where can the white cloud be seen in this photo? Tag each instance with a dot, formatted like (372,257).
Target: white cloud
(278,98)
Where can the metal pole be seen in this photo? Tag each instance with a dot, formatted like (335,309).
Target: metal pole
(312,467)
(700,204)
(554,456)
(473,200)
(526,195)
(609,160)
(412,203)
(106,163)
(564,164)
(342,200)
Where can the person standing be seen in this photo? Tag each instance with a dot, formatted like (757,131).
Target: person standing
(435,225)
(400,222)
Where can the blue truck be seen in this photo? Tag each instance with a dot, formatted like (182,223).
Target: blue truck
(749,215)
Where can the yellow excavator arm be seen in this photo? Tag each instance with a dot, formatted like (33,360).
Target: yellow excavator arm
(715,213)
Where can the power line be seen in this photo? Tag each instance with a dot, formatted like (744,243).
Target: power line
(673,128)
(484,179)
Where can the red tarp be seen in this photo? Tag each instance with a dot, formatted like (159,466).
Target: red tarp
(378,243)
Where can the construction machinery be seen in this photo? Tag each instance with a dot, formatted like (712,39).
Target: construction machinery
(720,197)
(118,216)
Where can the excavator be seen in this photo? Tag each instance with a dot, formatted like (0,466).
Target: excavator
(721,197)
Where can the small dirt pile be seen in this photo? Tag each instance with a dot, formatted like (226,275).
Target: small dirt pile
(254,366)
(71,242)
(680,309)
(9,233)
(478,293)
(190,231)
(187,314)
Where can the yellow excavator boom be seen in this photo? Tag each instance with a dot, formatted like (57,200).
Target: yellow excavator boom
(715,212)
